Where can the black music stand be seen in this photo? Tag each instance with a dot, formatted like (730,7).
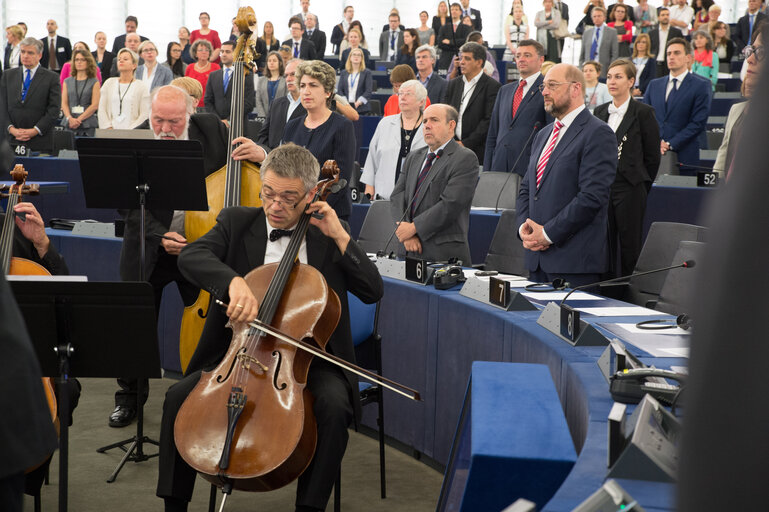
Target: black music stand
(76,329)
(162,175)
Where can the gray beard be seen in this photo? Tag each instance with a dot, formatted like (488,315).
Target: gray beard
(184,136)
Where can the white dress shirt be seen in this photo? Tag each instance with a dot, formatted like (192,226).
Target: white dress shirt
(685,14)
(392,52)
(467,93)
(670,82)
(292,104)
(663,43)
(529,82)
(617,113)
(275,250)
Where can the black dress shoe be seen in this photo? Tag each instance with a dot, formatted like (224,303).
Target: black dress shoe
(122,416)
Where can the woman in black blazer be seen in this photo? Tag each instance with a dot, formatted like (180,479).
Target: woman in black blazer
(723,46)
(638,153)
(356,82)
(409,48)
(645,64)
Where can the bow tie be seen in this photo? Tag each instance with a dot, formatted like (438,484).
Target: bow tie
(613,109)
(275,234)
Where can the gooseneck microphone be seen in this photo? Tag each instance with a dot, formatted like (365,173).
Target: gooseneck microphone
(685,264)
(536,127)
(383,251)
(704,167)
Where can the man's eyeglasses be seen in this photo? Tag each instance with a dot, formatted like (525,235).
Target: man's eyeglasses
(553,85)
(754,49)
(282,201)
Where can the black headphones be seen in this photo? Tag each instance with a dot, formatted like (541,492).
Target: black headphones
(682,321)
(557,285)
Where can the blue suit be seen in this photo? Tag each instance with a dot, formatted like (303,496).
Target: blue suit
(507,135)
(682,122)
(573,198)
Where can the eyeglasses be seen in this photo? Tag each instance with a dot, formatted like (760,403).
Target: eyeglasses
(553,85)
(754,49)
(281,200)
(149,50)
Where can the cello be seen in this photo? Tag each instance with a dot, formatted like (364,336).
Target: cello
(21,266)
(249,423)
(236,184)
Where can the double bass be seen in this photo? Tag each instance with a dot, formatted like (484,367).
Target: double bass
(21,266)
(249,424)
(236,184)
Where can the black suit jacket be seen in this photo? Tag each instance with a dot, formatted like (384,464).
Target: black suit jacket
(477,115)
(236,245)
(475,15)
(306,48)
(63,51)
(638,136)
(741,35)
(218,102)
(318,38)
(436,88)
(120,42)
(456,40)
(106,64)
(272,130)
(212,134)
(40,108)
(654,36)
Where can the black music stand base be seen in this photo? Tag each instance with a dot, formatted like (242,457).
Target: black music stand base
(134,452)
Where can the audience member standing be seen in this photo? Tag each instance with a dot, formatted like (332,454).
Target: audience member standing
(339,33)
(30,99)
(354,39)
(270,86)
(624,28)
(406,53)
(184,41)
(451,37)
(724,46)
(426,34)
(596,92)
(395,137)
(200,70)
(314,34)
(208,34)
(125,102)
(283,109)
(356,82)
(174,59)
(301,47)
(646,68)
(151,72)
(13,36)
(546,21)
(391,39)
(474,15)
(659,37)
(599,42)
(681,16)
(645,17)
(747,24)
(441,18)
(305,12)
(80,95)
(56,49)
(66,69)
(518,108)
(473,96)
(218,97)
(629,14)
(516,30)
(564,197)
(681,104)
(701,14)
(427,76)
(266,44)
(132,42)
(101,56)
(131,24)
(638,140)
(705,59)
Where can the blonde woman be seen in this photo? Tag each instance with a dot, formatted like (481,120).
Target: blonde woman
(125,101)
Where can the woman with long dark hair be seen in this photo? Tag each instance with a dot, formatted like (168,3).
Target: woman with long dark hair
(174,59)
(410,45)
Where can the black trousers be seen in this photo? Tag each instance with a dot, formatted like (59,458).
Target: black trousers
(333,413)
(164,273)
(627,207)
(12,493)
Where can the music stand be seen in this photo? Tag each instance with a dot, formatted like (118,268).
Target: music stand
(73,329)
(162,175)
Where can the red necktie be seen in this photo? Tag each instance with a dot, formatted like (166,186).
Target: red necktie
(518,97)
(549,151)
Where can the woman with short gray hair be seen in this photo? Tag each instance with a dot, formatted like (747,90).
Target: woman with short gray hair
(202,67)
(395,137)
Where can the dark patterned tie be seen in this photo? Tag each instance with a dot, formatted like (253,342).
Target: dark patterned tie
(275,234)
(422,176)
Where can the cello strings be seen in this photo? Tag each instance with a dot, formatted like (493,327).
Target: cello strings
(6,241)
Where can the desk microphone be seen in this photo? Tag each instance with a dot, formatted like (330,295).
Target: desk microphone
(682,165)
(536,127)
(685,264)
(383,252)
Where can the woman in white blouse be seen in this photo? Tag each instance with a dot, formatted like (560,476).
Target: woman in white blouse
(13,36)
(395,137)
(125,101)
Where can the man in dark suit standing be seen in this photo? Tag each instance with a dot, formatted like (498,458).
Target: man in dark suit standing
(218,96)
(681,102)
(519,106)
(599,42)
(431,200)
(244,239)
(305,12)
(564,197)
(660,36)
(282,110)
(301,47)
(473,95)
(391,40)
(171,118)
(30,99)
(747,24)
(638,139)
(451,37)
(56,49)
(426,74)
(131,24)
(314,34)
(474,14)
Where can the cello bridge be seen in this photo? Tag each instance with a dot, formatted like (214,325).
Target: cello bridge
(246,360)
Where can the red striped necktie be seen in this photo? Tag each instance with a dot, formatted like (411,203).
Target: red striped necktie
(549,151)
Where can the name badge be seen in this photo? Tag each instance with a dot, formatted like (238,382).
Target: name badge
(120,118)
(60,50)
(77,109)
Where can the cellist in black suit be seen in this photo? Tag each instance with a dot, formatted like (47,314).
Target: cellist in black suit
(638,150)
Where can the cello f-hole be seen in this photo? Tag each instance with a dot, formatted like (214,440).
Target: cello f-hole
(277,355)
(221,379)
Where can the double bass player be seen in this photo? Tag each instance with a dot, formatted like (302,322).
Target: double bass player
(243,239)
